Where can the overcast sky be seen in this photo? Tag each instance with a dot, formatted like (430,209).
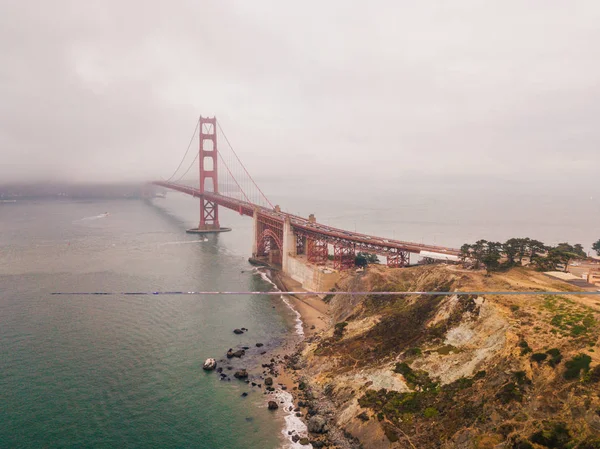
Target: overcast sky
(463,89)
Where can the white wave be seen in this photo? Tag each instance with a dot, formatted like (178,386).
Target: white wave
(299,325)
(293,424)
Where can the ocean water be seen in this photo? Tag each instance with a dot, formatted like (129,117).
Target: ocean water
(126,371)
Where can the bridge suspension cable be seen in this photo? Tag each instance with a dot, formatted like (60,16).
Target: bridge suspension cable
(250,183)
(185,155)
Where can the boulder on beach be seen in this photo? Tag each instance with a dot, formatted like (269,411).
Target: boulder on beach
(210,364)
(241,374)
(273,405)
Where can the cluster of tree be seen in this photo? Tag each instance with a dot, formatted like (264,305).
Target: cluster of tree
(596,247)
(364,259)
(545,258)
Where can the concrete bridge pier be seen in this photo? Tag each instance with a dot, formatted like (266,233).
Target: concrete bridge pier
(289,245)
(255,233)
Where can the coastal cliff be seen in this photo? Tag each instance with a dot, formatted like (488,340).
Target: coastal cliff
(468,372)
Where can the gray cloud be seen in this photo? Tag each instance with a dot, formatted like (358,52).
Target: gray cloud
(504,91)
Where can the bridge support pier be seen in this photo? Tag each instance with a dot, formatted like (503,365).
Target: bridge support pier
(344,257)
(289,244)
(317,251)
(398,259)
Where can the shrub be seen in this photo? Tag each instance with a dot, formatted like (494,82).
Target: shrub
(581,362)
(510,392)
(430,412)
(554,435)
(338,332)
(539,357)
(555,357)
(525,349)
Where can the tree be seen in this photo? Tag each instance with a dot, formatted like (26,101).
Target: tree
(523,245)
(364,259)
(596,247)
(576,250)
(554,257)
(491,256)
(482,252)
(535,247)
(579,250)
(511,248)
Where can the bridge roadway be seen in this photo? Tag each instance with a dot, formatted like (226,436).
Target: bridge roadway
(301,225)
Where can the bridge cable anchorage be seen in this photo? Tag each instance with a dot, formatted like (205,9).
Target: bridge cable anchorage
(186,152)
(244,167)
(309,293)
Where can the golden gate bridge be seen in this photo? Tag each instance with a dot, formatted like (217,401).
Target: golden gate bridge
(225,182)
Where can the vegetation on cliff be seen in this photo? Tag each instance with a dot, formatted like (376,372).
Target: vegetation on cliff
(460,372)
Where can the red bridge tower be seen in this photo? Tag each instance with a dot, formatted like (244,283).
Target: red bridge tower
(209,179)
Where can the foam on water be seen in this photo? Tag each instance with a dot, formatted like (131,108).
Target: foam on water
(299,326)
(293,423)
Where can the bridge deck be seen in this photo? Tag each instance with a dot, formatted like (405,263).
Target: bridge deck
(363,242)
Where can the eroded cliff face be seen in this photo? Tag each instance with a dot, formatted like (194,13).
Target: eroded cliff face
(457,372)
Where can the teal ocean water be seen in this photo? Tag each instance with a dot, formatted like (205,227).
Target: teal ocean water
(126,371)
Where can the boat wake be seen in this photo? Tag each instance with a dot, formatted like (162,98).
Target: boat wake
(95,217)
(183,242)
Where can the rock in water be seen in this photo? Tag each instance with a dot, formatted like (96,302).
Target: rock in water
(238,331)
(231,353)
(210,364)
(273,405)
(241,374)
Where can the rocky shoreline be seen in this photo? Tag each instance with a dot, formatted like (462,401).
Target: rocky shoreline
(311,405)
(276,370)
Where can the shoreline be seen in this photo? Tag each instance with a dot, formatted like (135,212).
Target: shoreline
(312,317)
